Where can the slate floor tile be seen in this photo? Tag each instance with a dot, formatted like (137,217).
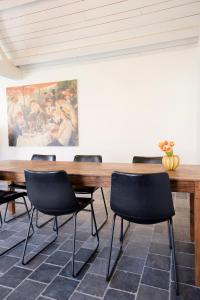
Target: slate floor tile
(68,246)
(136,250)
(185,275)
(45,273)
(131,264)
(156,278)
(187,292)
(147,292)
(14,276)
(61,288)
(59,258)
(185,259)
(6,262)
(80,296)
(112,294)
(184,247)
(83,254)
(28,290)
(125,281)
(4,291)
(5,234)
(159,248)
(33,264)
(99,266)
(93,284)
(67,271)
(158,262)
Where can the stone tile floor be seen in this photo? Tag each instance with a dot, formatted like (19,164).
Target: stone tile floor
(143,272)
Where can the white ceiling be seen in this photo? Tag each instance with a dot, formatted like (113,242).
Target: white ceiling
(40,31)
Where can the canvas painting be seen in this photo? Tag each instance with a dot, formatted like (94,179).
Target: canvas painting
(44,114)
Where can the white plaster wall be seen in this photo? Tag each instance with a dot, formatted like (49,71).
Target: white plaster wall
(126,106)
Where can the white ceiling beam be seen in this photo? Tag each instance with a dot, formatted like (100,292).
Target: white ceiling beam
(7,4)
(7,69)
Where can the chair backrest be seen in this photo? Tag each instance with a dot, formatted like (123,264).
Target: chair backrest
(88,158)
(49,157)
(142,198)
(147,159)
(50,192)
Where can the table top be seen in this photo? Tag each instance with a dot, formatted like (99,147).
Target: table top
(14,169)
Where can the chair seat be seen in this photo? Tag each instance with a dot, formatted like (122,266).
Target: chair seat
(144,221)
(85,190)
(7,196)
(81,204)
(18,185)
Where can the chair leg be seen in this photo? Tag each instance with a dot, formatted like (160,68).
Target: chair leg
(63,223)
(169,235)
(110,272)
(1,222)
(170,222)
(74,272)
(24,262)
(106,213)
(42,224)
(27,211)
(15,245)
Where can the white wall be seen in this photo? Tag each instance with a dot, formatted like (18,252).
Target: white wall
(126,106)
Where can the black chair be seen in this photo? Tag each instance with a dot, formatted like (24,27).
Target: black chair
(91,190)
(22,186)
(147,159)
(141,199)
(7,196)
(51,193)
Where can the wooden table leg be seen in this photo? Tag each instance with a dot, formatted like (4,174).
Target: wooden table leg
(192,217)
(197,232)
(11,207)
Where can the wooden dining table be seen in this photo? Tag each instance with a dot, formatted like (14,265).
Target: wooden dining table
(186,178)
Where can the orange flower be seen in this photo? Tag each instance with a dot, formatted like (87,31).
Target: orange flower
(171,144)
(162,144)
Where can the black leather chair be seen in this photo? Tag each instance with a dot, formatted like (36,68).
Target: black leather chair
(147,159)
(51,193)
(7,196)
(142,199)
(22,186)
(91,190)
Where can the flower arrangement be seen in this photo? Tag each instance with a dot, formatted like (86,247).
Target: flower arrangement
(167,147)
(170,161)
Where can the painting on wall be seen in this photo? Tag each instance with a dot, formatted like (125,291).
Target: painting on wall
(44,114)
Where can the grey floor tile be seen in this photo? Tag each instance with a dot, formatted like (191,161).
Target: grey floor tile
(68,246)
(184,247)
(112,294)
(93,284)
(45,273)
(187,292)
(99,266)
(33,264)
(131,264)
(6,262)
(159,248)
(67,271)
(185,259)
(158,262)
(83,254)
(136,250)
(4,291)
(59,258)
(50,249)
(14,277)
(5,234)
(125,281)
(28,290)
(61,288)
(80,296)
(185,275)
(156,278)
(147,292)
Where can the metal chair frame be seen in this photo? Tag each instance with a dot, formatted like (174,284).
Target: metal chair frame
(110,270)
(18,215)
(74,274)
